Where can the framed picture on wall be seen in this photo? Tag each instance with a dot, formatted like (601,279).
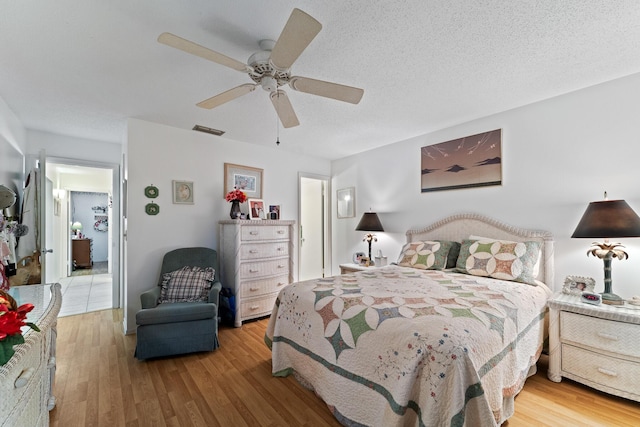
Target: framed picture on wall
(469,162)
(183,192)
(244,178)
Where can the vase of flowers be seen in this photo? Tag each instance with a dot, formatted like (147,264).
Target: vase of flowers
(236,197)
(12,319)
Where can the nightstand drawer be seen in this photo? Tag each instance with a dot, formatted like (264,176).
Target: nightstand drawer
(611,372)
(614,337)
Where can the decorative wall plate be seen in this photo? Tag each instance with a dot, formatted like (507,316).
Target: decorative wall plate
(152,209)
(151,191)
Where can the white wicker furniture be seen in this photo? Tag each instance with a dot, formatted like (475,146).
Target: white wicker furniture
(26,380)
(352,268)
(257,261)
(598,346)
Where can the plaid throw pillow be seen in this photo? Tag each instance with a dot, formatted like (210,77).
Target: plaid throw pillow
(189,284)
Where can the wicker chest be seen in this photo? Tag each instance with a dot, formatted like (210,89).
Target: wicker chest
(26,380)
(598,346)
(256,261)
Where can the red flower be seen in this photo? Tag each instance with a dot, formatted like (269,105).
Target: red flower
(11,321)
(236,194)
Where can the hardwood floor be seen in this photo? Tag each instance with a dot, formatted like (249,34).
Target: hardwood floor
(100,383)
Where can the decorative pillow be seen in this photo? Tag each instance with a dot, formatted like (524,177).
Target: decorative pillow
(189,284)
(499,259)
(427,255)
(536,267)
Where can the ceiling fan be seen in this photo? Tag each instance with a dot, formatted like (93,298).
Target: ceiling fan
(271,68)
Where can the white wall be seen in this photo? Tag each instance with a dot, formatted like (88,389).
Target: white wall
(557,155)
(69,147)
(157,154)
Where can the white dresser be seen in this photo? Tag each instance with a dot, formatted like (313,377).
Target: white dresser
(26,380)
(257,261)
(595,345)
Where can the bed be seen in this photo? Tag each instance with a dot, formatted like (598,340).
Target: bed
(438,342)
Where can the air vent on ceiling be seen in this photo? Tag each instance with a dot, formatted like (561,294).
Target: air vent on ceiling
(205,129)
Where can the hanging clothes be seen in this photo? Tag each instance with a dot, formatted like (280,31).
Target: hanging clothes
(29,216)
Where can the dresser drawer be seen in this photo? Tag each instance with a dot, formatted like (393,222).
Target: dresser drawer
(264,250)
(274,232)
(264,286)
(614,337)
(611,372)
(250,270)
(257,306)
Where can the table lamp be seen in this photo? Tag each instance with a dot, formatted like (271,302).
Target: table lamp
(370,222)
(604,220)
(76,227)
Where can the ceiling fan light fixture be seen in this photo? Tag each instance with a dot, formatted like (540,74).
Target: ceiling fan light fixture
(269,84)
(204,129)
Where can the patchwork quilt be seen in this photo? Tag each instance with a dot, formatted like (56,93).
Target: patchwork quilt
(398,346)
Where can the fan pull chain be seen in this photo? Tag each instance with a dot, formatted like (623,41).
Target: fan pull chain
(278,122)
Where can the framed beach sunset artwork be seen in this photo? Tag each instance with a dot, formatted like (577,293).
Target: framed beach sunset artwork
(472,161)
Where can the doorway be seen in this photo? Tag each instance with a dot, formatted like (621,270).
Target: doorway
(85,220)
(314,231)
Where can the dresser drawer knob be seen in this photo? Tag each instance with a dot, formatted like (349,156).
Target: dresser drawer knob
(254,289)
(607,336)
(280,231)
(280,266)
(280,249)
(280,283)
(254,307)
(24,377)
(253,233)
(253,251)
(607,372)
(253,271)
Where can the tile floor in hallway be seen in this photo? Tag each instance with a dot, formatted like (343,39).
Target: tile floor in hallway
(81,294)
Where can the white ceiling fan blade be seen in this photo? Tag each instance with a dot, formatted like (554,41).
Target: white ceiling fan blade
(284,109)
(201,51)
(296,35)
(227,96)
(327,89)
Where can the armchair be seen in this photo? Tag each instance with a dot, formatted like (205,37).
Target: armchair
(170,328)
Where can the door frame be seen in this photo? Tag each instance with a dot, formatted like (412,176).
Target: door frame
(114,224)
(327,213)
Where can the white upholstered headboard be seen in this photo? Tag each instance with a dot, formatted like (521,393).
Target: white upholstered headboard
(461,226)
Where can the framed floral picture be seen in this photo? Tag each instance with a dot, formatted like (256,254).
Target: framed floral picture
(243,178)
(183,192)
(576,285)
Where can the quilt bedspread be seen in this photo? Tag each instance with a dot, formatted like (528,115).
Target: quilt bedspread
(401,346)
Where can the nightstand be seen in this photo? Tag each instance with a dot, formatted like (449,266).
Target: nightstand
(598,346)
(352,268)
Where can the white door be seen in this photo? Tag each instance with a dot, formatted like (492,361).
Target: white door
(45,203)
(313,232)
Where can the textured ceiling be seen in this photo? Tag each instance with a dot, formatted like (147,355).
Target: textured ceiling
(81,68)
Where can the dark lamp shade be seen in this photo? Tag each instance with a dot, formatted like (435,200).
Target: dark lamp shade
(369,222)
(608,219)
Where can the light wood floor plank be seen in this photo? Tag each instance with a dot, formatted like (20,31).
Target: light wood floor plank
(100,383)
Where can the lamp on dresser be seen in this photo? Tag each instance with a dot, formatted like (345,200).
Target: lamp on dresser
(604,220)
(370,223)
